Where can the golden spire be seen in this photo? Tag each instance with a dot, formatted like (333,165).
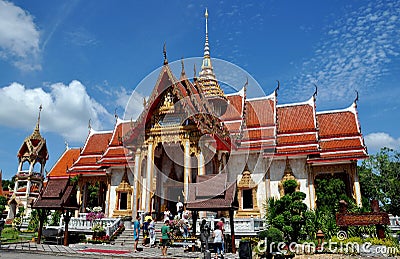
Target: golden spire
(207,77)
(36,132)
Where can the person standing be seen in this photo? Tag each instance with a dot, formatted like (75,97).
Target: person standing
(152,232)
(165,232)
(167,214)
(146,231)
(218,240)
(221,226)
(136,233)
(179,207)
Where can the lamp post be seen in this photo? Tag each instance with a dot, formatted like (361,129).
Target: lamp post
(320,238)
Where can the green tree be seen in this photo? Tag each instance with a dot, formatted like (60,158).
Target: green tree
(288,213)
(380,179)
(329,192)
(3,203)
(8,183)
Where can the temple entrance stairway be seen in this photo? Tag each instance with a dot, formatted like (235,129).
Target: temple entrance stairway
(126,237)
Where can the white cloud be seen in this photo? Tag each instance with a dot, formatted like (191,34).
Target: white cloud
(19,37)
(354,53)
(66,109)
(377,140)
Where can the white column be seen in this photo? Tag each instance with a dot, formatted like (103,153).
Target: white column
(149,175)
(357,189)
(78,195)
(136,182)
(187,168)
(201,167)
(311,190)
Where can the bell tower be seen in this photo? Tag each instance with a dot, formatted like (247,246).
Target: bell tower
(32,157)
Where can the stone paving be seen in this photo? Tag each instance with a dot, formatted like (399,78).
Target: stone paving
(104,251)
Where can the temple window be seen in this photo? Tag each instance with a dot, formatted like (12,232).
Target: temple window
(247,196)
(247,199)
(123,201)
(37,167)
(25,166)
(123,206)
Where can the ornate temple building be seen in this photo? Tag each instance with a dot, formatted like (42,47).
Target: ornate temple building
(190,131)
(32,157)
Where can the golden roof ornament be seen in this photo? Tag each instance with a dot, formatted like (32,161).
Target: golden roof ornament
(207,77)
(165,54)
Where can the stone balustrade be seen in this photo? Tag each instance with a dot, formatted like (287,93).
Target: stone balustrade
(80,223)
(394,223)
(243,226)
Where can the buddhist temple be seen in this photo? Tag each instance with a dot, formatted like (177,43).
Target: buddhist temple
(32,157)
(190,132)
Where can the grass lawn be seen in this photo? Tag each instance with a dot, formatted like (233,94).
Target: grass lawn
(11,235)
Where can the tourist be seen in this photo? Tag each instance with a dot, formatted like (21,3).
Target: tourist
(146,231)
(218,240)
(136,233)
(204,234)
(167,214)
(165,232)
(152,232)
(179,207)
(221,226)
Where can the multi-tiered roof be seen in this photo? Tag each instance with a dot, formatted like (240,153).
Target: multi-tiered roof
(254,124)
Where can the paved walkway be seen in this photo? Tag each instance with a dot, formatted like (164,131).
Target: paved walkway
(102,251)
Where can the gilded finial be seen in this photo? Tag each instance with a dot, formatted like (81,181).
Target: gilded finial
(356,100)
(115,114)
(165,54)
(206,13)
(183,68)
(66,145)
(278,86)
(144,102)
(194,71)
(89,124)
(316,91)
(38,121)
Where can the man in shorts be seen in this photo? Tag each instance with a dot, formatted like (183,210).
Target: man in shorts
(136,233)
(165,232)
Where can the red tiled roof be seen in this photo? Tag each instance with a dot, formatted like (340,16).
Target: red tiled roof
(259,133)
(97,143)
(212,192)
(259,113)
(296,118)
(297,149)
(58,194)
(66,160)
(340,144)
(234,110)
(297,139)
(337,124)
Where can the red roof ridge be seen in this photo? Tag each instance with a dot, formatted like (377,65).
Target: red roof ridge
(310,102)
(267,97)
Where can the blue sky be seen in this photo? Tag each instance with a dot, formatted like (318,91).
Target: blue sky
(82,59)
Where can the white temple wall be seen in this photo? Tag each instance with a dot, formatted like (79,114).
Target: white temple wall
(299,169)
